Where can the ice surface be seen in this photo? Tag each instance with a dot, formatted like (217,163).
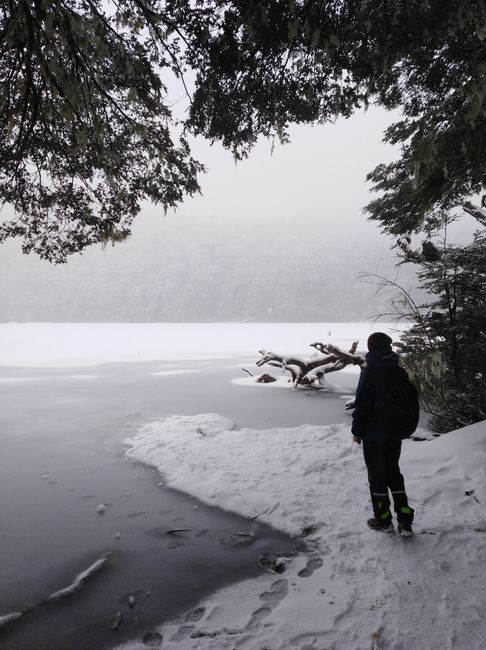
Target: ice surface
(87,344)
(174,371)
(83,377)
(19,380)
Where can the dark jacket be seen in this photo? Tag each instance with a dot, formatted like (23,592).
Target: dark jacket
(374,417)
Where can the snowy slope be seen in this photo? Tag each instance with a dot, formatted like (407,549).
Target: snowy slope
(354,589)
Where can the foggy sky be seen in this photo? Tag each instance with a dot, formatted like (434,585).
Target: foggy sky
(320,172)
(314,184)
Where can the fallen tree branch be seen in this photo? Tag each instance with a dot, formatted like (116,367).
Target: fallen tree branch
(348,357)
(311,372)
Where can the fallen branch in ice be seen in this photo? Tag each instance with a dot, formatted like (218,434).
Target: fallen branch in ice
(74,586)
(7,618)
(80,579)
(311,372)
(345,358)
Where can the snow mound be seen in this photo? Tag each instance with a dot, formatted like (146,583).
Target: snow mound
(256,473)
(354,589)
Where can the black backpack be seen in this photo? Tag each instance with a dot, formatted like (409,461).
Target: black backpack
(402,404)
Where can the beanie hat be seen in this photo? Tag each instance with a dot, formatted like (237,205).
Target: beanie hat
(379,342)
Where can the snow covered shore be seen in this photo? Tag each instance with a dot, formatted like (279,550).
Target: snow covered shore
(354,589)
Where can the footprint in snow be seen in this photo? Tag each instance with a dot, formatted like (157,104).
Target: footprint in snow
(188,620)
(279,590)
(194,615)
(152,639)
(257,617)
(312,565)
(182,633)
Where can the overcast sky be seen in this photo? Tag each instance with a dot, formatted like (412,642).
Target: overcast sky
(320,174)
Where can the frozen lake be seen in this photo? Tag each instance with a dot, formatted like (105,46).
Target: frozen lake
(62,432)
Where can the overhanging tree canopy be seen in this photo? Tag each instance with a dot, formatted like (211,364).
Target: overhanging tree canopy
(85,126)
(271,63)
(85,132)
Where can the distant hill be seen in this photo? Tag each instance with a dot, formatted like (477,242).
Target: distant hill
(204,269)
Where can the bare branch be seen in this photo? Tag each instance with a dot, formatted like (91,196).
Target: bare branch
(284,361)
(348,357)
(478,213)
(276,364)
(150,16)
(309,371)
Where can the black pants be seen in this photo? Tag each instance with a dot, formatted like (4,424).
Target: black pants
(383,475)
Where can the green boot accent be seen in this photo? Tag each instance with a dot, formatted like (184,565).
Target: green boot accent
(405,515)
(381,506)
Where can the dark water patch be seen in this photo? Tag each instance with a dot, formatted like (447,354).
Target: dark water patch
(142,584)
(71,433)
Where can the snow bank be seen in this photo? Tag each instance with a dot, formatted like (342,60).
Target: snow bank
(247,471)
(355,589)
(87,344)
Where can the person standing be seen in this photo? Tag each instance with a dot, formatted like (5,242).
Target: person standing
(386,411)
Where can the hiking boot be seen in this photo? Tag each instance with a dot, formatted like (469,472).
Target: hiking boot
(405,530)
(379,524)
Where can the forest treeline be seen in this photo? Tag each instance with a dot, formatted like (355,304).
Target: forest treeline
(202,269)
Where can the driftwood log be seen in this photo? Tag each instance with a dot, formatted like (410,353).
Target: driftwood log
(311,372)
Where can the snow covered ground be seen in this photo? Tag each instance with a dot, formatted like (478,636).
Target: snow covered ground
(354,588)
